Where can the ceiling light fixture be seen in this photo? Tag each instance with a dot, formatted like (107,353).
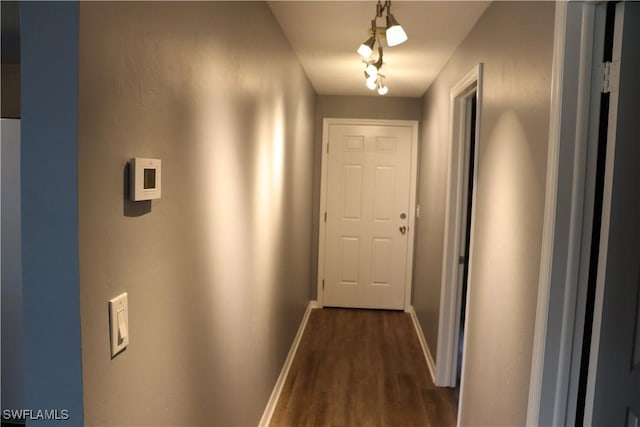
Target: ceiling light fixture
(366,48)
(392,33)
(373,67)
(395,33)
(372,70)
(382,89)
(374,82)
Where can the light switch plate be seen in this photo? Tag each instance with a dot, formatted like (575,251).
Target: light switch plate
(119,323)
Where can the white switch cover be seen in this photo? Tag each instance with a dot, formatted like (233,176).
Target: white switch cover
(119,323)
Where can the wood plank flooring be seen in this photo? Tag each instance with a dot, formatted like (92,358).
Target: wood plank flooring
(362,368)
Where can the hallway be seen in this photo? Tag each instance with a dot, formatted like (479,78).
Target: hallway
(219,271)
(362,367)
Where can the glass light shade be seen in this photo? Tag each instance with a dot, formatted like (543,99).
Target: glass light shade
(365,51)
(371,70)
(382,90)
(366,48)
(395,32)
(371,83)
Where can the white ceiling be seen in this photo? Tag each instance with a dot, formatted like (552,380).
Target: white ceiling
(326,34)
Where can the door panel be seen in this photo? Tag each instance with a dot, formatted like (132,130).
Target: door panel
(352,197)
(350,259)
(381,262)
(368,190)
(384,189)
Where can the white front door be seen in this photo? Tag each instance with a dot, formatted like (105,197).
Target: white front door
(368,187)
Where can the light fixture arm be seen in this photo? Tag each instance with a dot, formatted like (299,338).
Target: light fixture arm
(374,30)
(380,8)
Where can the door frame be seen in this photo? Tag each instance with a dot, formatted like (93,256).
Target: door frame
(568,216)
(450,285)
(612,141)
(413,126)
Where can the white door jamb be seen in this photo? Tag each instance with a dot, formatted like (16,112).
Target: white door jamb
(451,286)
(568,215)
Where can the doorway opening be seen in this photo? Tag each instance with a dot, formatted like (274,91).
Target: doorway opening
(472,105)
(598,195)
(466,99)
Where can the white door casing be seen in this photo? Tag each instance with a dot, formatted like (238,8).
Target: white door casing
(569,207)
(455,223)
(367,213)
(613,386)
(578,45)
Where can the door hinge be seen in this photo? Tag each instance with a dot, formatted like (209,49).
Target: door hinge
(323,285)
(606,77)
(325,217)
(327,148)
(461,259)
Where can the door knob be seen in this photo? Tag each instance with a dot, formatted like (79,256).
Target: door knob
(403,229)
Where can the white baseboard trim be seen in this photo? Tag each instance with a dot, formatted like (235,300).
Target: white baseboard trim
(277,388)
(423,343)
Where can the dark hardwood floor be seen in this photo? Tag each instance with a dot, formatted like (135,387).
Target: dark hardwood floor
(362,368)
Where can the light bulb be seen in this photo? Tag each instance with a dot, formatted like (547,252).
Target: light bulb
(372,70)
(372,83)
(365,51)
(382,90)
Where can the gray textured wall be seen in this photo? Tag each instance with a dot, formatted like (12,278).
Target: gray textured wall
(350,107)
(514,41)
(217,270)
